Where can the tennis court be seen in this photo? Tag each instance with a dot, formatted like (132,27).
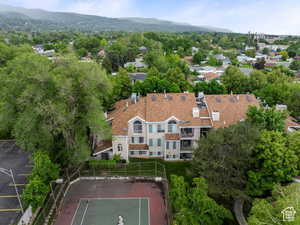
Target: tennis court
(102,202)
(112,211)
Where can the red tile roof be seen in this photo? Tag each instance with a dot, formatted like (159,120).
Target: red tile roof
(160,107)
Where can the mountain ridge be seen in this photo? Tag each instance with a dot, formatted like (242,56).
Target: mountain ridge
(22,19)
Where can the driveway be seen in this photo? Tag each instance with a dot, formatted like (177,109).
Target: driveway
(12,157)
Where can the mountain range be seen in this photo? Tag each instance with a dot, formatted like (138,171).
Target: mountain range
(34,20)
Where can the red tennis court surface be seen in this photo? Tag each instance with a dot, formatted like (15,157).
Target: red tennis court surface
(115,189)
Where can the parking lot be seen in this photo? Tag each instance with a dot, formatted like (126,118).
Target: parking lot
(12,157)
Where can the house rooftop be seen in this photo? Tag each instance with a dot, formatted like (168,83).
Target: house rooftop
(161,107)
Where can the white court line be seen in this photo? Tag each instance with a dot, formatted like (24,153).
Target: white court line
(76,212)
(139,211)
(148,211)
(87,205)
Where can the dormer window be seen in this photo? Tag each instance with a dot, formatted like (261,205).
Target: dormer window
(172,126)
(137,127)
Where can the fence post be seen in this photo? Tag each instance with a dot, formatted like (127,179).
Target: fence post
(139,168)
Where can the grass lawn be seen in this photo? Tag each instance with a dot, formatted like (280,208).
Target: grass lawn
(179,168)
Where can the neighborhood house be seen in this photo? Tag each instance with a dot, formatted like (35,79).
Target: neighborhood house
(169,126)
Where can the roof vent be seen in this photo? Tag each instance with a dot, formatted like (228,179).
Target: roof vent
(153,97)
(215,116)
(196,112)
(183,98)
(232,99)
(218,99)
(249,99)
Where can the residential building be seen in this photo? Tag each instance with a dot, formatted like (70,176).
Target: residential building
(168,126)
(139,76)
(138,64)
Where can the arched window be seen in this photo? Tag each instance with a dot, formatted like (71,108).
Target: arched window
(120,148)
(137,127)
(172,126)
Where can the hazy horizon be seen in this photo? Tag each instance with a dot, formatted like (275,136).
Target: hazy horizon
(262,16)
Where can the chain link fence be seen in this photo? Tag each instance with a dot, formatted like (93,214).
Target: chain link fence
(49,211)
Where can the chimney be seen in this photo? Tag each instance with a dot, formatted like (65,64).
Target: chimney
(196,113)
(215,116)
(134,98)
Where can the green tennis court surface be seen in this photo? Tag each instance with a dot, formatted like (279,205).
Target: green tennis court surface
(104,211)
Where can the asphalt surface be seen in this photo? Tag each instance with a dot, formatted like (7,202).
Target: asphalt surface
(12,157)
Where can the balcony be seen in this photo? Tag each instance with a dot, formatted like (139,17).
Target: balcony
(187,132)
(186,145)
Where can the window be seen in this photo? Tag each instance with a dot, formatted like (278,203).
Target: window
(137,140)
(150,129)
(158,153)
(172,126)
(150,142)
(120,147)
(174,156)
(142,152)
(204,132)
(174,145)
(167,156)
(168,145)
(141,140)
(150,153)
(137,127)
(187,132)
(160,128)
(131,153)
(158,142)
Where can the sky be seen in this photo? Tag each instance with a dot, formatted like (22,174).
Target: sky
(262,16)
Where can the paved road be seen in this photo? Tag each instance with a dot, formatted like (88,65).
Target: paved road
(12,157)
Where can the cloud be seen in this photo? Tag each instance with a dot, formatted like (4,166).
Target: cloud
(40,4)
(109,8)
(265,16)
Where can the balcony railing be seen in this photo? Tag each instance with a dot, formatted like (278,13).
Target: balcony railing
(184,134)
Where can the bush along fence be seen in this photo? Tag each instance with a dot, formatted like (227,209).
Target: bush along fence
(94,168)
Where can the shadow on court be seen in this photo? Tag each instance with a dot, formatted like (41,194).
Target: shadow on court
(103,202)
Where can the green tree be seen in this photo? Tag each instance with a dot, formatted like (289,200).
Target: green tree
(223,158)
(155,85)
(293,144)
(122,87)
(251,53)
(267,118)
(193,206)
(274,163)
(257,80)
(268,211)
(293,100)
(210,88)
(213,61)
(35,192)
(266,51)
(272,94)
(44,167)
(295,65)
(60,102)
(199,57)
(175,75)
(234,80)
